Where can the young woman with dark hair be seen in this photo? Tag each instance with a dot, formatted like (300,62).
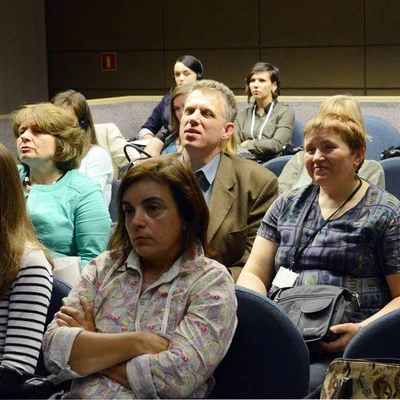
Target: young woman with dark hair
(265,127)
(187,69)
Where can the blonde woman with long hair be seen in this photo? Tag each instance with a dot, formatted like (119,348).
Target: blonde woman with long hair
(26,278)
(295,174)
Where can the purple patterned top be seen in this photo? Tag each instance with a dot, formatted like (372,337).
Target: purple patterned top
(355,251)
(193,305)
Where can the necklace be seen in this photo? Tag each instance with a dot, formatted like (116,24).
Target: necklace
(26,183)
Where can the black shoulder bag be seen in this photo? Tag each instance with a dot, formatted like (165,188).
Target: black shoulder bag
(315,308)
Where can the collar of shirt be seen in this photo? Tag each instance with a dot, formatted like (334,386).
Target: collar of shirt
(133,262)
(210,169)
(182,263)
(266,109)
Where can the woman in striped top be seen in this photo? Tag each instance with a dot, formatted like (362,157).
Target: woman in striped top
(26,278)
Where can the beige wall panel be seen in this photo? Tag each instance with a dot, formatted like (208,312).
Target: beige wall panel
(383,92)
(210,24)
(318,68)
(382,21)
(135,70)
(322,92)
(109,93)
(23,53)
(383,67)
(312,22)
(227,66)
(80,25)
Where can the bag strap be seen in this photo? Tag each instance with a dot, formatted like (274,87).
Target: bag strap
(131,162)
(300,251)
(136,147)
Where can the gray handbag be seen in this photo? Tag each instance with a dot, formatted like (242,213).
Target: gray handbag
(315,308)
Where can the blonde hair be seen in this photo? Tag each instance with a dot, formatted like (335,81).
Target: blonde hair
(70,138)
(173,120)
(16,228)
(230,146)
(343,104)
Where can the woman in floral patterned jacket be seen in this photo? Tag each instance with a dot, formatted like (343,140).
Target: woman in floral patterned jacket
(152,317)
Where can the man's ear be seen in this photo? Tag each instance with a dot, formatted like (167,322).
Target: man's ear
(228,130)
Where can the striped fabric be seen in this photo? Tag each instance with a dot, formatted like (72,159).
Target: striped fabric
(23,313)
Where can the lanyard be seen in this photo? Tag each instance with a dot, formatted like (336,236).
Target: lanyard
(300,251)
(265,122)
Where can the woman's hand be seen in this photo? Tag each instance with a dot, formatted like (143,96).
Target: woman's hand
(346,332)
(150,343)
(70,317)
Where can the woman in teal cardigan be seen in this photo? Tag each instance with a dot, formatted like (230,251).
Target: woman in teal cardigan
(66,207)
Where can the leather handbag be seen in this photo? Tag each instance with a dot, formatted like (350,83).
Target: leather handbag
(362,379)
(315,308)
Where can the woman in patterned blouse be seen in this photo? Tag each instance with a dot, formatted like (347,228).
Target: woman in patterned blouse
(152,317)
(340,231)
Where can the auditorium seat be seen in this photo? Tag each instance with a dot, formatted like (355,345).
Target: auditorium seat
(297,138)
(277,164)
(379,339)
(383,135)
(268,357)
(391,167)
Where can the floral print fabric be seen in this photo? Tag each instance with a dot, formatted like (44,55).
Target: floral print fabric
(193,305)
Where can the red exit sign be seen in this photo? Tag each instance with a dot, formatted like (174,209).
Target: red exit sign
(108,61)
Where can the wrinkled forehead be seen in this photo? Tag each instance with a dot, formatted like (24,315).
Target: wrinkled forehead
(205,98)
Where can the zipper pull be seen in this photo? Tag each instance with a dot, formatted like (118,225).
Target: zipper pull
(358,300)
